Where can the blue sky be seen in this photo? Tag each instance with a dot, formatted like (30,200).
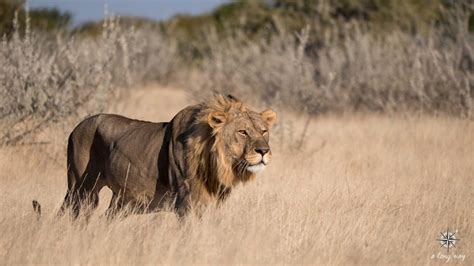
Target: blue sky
(87,10)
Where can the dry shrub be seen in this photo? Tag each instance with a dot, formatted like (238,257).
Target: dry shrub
(363,71)
(45,79)
(350,68)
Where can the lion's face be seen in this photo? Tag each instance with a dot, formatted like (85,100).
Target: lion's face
(245,135)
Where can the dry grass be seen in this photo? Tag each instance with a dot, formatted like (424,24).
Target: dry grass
(365,190)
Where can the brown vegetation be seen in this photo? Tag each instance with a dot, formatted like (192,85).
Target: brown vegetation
(372,156)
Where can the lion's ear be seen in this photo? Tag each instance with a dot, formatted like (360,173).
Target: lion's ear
(216,119)
(269,116)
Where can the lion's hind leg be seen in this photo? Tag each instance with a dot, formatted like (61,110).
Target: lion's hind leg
(79,200)
(83,196)
(85,175)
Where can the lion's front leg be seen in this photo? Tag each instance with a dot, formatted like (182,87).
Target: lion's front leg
(182,202)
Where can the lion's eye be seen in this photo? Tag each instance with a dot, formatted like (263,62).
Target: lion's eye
(264,132)
(243,132)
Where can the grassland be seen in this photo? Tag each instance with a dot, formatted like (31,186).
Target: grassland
(362,190)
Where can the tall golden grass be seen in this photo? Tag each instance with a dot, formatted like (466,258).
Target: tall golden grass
(362,190)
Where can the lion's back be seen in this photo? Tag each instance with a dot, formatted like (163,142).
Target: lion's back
(101,134)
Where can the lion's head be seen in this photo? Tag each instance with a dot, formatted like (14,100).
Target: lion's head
(240,138)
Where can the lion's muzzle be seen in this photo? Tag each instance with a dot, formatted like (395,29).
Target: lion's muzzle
(258,160)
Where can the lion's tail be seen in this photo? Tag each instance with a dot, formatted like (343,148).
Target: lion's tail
(37,208)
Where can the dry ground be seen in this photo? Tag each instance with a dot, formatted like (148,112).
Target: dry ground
(363,190)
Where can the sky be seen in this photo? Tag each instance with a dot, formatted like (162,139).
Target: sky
(93,10)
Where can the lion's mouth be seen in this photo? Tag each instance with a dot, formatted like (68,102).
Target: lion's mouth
(256,168)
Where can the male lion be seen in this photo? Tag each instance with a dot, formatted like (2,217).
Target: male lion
(191,162)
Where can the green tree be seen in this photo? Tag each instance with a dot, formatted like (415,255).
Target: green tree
(7,13)
(43,19)
(50,19)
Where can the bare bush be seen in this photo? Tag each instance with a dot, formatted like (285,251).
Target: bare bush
(44,79)
(152,57)
(394,72)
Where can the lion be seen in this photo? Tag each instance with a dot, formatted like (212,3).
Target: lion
(189,163)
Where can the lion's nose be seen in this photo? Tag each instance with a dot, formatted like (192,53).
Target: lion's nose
(262,150)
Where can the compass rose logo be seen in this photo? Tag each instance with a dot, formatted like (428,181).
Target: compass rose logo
(448,239)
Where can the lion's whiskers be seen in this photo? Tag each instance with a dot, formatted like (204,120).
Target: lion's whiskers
(245,164)
(240,167)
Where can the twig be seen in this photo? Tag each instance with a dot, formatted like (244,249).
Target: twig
(305,130)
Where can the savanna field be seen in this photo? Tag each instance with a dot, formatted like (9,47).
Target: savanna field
(373,149)
(361,189)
